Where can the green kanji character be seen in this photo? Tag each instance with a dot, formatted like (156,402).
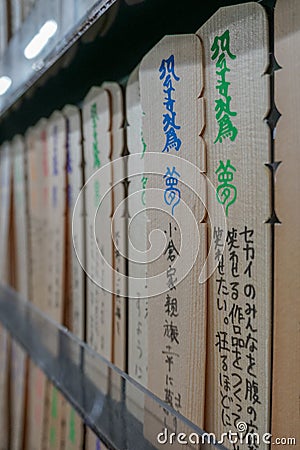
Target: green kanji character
(226,191)
(226,129)
(223,42)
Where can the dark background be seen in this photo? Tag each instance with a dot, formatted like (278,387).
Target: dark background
(111,57)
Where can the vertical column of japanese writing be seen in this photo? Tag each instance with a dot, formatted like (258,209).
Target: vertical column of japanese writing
(48,254)
(70,192)
(101,295)
(73,295)
(237,341)
(118,299)
(137,306)
(140,369)
(54,244)
(94,310)
(171,330)
(226,194)
(76,291)
(56,241)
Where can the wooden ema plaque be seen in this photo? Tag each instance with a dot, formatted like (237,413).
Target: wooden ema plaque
(97,150)
(171,85)
(56,146)
(75,276)
(19,359)
(5,189)
(236,92)
(38,200)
